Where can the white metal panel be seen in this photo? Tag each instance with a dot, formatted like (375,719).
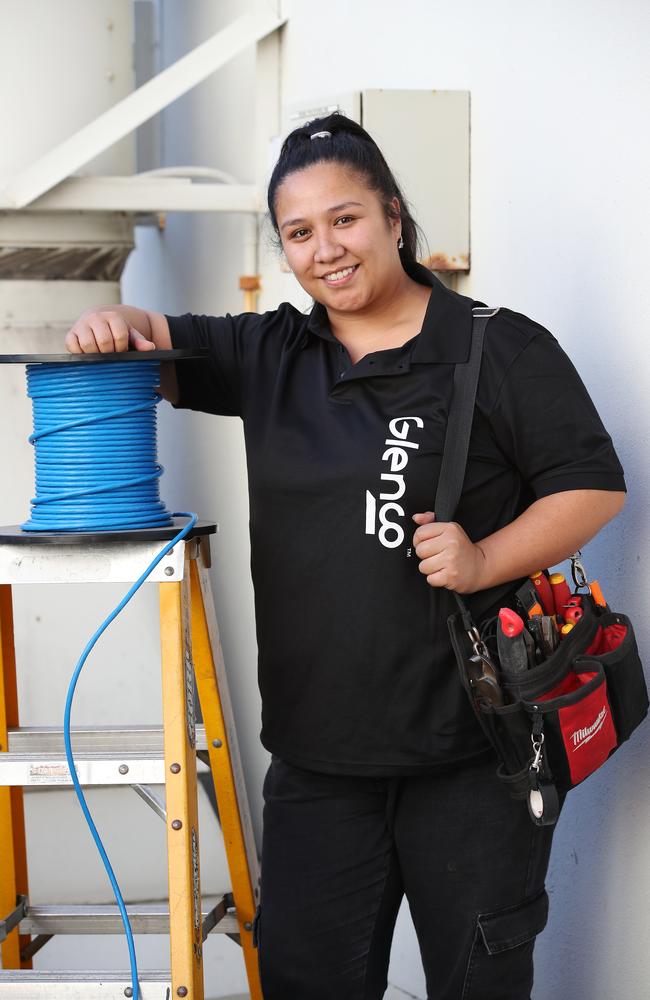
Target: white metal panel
(424,136)
(34,228)
(121,119)
(296,113)
(148,194)
(101,562)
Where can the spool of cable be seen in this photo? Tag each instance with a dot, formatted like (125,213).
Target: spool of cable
(95,447)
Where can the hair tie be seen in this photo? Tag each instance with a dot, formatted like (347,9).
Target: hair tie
(321,135)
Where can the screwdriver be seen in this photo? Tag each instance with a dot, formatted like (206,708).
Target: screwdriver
(544,591)
(561,592)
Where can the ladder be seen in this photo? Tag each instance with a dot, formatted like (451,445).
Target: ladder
(191,659)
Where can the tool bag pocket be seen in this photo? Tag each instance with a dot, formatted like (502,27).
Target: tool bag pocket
(614,646)
(577,722)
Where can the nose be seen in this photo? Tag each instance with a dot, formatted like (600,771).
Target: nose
(327,247)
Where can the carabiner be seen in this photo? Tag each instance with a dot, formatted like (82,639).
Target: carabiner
(578,571)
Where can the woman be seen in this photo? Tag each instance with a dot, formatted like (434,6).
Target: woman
(381,782)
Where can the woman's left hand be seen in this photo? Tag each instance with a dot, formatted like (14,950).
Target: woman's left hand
(447,556)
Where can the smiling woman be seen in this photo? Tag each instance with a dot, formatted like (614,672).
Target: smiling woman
(381,782)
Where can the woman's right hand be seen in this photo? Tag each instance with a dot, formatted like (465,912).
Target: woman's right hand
(105,330)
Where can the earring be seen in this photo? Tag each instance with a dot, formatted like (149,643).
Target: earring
(400,243)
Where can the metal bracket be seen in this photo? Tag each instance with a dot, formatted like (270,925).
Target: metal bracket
(34,945)
(154,801)
(212,918)
(11,922)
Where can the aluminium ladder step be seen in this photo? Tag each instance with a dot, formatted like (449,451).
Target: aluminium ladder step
(116,755)
(104,918)
(28,985)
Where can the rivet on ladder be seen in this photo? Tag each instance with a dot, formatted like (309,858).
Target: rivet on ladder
(176,824)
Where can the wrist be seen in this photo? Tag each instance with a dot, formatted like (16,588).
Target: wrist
(481,572)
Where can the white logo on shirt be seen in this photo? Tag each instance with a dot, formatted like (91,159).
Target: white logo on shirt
(391,532)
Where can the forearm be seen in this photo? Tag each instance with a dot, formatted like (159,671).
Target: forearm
(549,531)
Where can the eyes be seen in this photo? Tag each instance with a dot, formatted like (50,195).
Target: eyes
(299,234)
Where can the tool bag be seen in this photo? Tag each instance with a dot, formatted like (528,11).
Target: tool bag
(556,723)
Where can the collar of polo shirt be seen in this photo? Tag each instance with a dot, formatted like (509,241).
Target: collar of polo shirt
(446,331)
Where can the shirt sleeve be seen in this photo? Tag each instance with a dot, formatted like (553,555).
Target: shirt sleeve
(213,384)
(546,423)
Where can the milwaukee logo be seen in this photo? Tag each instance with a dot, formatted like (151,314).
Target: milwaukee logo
(396,455)
(582,736)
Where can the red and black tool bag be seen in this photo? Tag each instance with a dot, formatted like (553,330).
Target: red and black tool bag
(585,700)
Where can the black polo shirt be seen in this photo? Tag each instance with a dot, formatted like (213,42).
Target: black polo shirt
(355,667)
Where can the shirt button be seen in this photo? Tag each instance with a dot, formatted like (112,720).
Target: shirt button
(341,374)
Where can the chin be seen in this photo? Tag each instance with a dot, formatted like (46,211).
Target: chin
(348,301)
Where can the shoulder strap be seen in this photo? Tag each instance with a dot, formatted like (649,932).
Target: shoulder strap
(459,424)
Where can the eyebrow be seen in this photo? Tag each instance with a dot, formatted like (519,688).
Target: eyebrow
(334,208)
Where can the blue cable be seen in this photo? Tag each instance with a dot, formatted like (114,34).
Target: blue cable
(96,470)
(68,747)
(95,447)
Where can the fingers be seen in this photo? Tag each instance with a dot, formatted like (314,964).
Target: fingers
(72,344)
(439,548)
(426,518)
(137,342)
(103,331)
(428,527)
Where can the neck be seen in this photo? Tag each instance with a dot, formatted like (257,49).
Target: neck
(387,322)
(383,310)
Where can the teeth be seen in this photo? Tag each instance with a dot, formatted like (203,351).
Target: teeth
(338,275)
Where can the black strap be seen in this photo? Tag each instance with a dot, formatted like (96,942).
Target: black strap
(459,424)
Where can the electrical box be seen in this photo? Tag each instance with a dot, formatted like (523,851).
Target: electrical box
(424,136)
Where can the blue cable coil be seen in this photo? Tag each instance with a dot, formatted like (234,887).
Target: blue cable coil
(96,470)
(95,443)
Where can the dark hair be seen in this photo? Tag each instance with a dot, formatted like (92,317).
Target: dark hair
(350,145)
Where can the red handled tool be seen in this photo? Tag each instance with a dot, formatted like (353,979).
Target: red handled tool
(544,591)
(561,592)
(571,614)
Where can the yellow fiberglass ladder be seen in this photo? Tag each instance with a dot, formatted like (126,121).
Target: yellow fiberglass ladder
(137,756)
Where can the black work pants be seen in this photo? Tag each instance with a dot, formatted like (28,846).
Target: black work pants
(340,852)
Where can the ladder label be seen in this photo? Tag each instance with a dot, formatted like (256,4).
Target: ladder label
(49,774)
